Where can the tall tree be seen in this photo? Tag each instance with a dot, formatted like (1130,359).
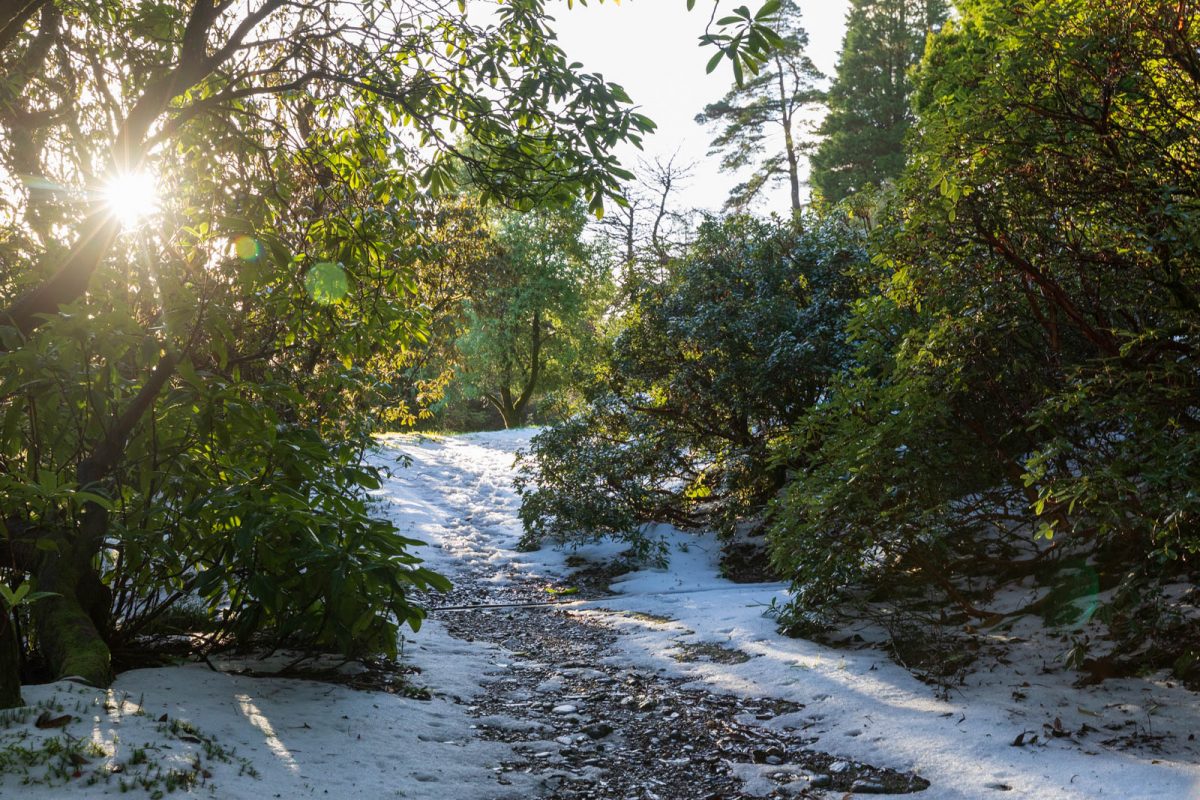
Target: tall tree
(531,322)
(648,230)
(869,114)
(770,102)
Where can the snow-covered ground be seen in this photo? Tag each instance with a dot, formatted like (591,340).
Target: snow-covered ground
(289,738)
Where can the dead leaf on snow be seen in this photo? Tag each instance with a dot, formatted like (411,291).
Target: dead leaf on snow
(45,721)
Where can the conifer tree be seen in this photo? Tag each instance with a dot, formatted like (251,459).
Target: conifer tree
(767,101)
(869,114)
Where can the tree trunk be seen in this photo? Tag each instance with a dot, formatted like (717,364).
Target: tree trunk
(793,159)
(10,664)
(68,636)
(510,415)
(68,284)
(71,625)
(512,411)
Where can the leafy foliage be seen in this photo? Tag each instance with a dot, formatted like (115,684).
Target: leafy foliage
(1023,386)
(184,402)
(711,364)
(533,323)
(1005,389)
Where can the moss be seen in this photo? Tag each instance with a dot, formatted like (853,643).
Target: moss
(71,643)
(67,636)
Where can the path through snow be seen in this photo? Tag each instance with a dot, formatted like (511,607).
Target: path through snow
(695,644)
(1138,735)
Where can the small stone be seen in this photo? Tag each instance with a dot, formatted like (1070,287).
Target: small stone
(565,708)
(647,704)
(1000,787)
(598,730)
(774,760)
(839,767)
(868,787)
(821,781)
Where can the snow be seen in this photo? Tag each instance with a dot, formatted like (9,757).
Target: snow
(861,704)
(292,738)
(297,738)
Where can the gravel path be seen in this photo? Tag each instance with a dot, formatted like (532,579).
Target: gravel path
(591,729)
(578,717)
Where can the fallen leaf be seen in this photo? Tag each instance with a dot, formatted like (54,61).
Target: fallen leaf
(45,721)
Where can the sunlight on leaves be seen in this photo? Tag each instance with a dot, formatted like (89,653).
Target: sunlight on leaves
(326,283)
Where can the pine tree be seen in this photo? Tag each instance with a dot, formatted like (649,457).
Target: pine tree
(774,96)
(869,113)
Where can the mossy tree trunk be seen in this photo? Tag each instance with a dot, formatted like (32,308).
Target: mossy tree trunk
(70,624)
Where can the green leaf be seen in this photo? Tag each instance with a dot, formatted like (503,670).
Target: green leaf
(714,61)
(769,8)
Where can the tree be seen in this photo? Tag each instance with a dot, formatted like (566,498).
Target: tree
(185,402)
(458,259)
(533,320)
(1094,242)
(1022,400)
(869,114)
(646,230)
(743,336)
(775,96)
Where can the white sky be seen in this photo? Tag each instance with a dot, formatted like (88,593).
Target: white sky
(651,48)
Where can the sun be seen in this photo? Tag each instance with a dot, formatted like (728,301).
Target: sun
(131,197)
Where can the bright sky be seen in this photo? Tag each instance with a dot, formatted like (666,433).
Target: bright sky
(650,47)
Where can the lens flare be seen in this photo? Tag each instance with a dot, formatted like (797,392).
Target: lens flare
(247,248)
(131,197)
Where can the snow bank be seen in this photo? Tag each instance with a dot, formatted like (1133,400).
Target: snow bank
(244,738)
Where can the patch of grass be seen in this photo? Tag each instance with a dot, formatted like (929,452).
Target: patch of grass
(58,757)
